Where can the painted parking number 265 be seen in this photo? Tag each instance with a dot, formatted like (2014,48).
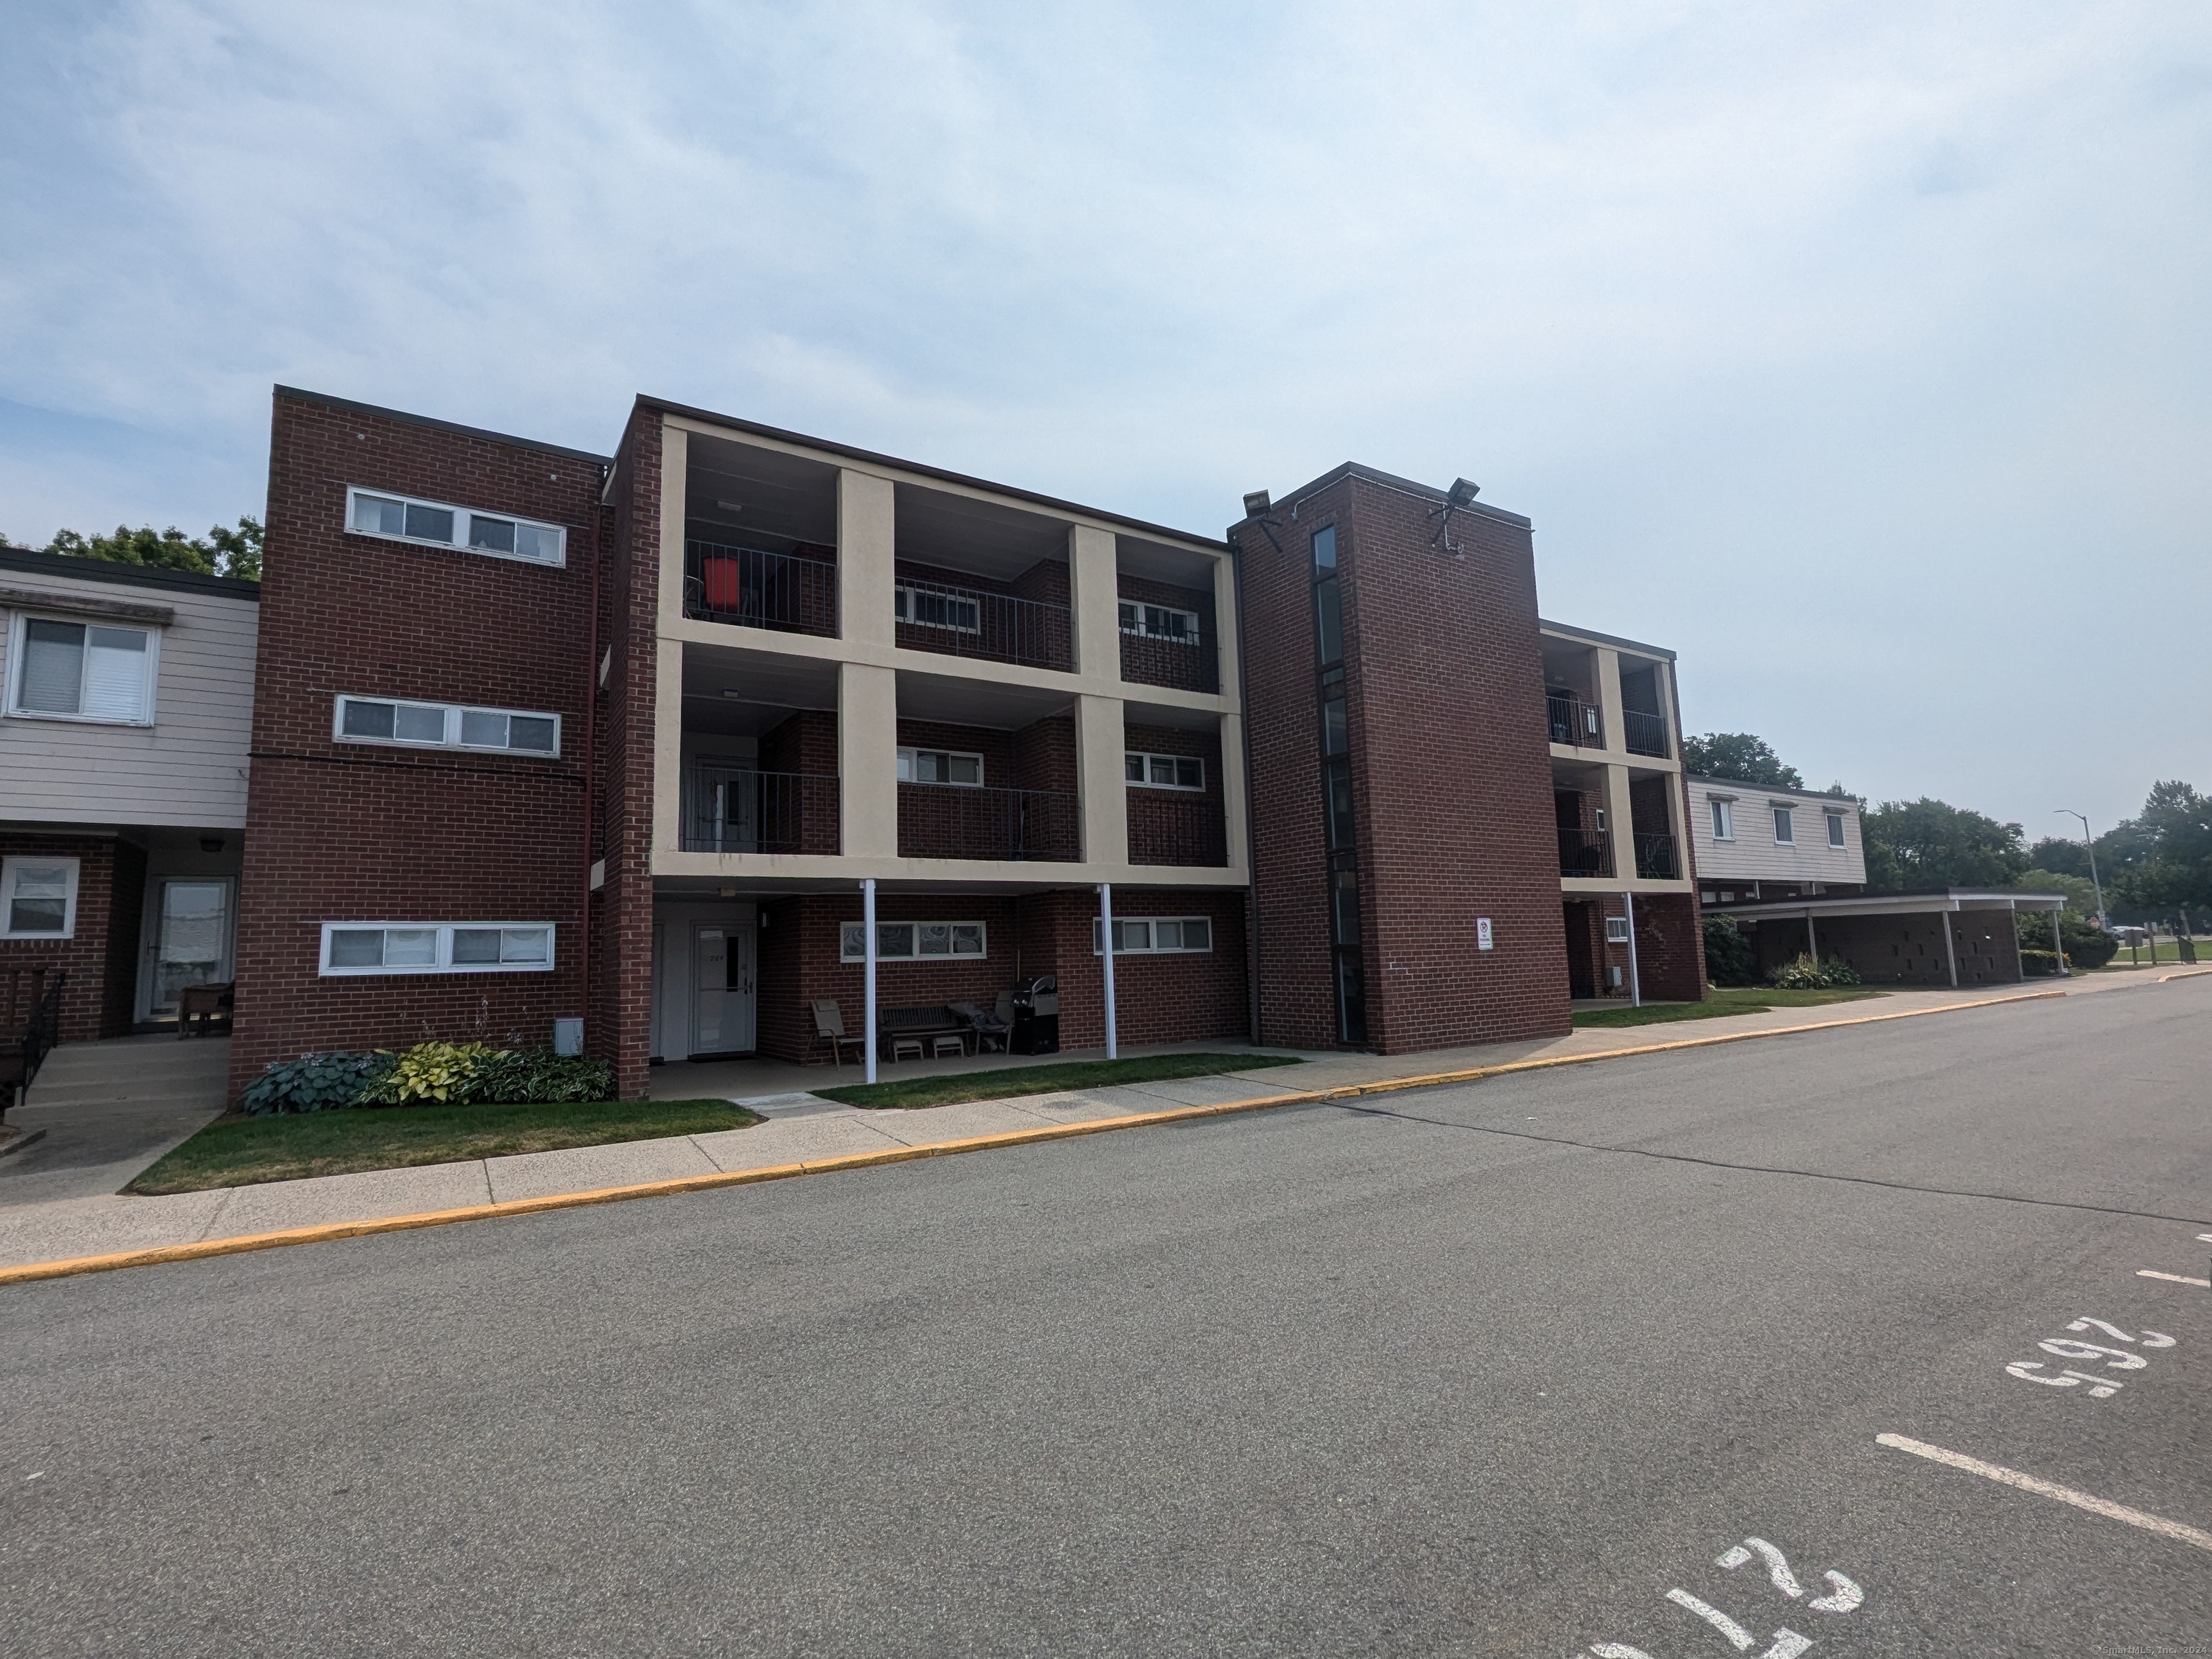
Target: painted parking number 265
(2107,1358)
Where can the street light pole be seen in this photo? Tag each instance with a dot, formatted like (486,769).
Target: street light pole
(2090,841)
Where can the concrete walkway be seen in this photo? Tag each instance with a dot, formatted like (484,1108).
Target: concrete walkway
(799,1126)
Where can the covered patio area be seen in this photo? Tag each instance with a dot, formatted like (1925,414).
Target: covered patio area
(1948,937)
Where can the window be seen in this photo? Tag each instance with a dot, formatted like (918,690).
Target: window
(401,519)
(1155,935)
(444,725)
(1723,819)
(437,947)
(38,897)
(1616,930)
(1836,830)
(940,766)
(1785,827)
(922,608)
(1159,622)
(911,941)
(75,671)
(1164,771)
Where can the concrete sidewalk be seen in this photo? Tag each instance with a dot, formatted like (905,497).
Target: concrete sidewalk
(802,1126)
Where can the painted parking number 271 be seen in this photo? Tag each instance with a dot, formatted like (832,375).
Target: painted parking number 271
(2100,1386)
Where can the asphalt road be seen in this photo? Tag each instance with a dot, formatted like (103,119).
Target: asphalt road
(1478,1371)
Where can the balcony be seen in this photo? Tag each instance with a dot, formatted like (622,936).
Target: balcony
(1184,662)
(1572,720)
(976,622)
(957,820)
(1644,733)
(1585,854)
(1655,860)
(1178,830)
(752,587)
(765,812)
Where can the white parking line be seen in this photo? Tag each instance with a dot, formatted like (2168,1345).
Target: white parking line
(2080,1500)
(2172,1279)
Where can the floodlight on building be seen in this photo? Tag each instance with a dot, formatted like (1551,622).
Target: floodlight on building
(1462,492)
(1257,501)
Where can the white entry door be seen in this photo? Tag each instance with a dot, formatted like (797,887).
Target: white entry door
(191,940)
(722,990)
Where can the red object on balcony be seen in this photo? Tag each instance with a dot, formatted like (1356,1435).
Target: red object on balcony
(717,580)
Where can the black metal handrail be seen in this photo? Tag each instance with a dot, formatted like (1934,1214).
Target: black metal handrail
(1585,852)
(973,622)
(1655,858)
(753,587)
(765,812)
(1169,828)
(1644,734)
(955,821)
(1191,664)
(23,1051)
(1572,720)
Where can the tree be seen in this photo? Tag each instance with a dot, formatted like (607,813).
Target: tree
(1740,758)
(2080,892)
(220,552)
(2169,866)
(1728,957)
(2063,857)
(1928,843)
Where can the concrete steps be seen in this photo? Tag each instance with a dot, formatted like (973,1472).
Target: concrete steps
(143,1071)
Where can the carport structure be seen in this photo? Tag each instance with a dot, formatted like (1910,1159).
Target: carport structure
(1951,935)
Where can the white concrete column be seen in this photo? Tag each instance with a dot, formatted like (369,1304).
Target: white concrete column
(1101,786)
(1234,804)
(1608,699)
(1094,585)
(868,529)
(675,470)
(1619,812)
(1635,978)
(867,759)
(1225,624)
(868,982)
(1950,945)
(667,746)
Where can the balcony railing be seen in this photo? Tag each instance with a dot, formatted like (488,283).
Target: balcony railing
(1165,828)
(1644,734)
(1572,720)
(953,821)
(1655,858)
(1585,852)
(972,622)
(755,588)
(765,812)
(1190,664)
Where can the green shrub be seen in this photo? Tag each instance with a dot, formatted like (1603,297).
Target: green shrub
(315,1082)
(2038,964)
(446,1073)
(1807,975)
(1728,957)
(539,1077)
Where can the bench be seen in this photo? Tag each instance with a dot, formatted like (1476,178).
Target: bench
(896,1027)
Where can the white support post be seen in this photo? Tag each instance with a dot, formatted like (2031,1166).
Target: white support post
(1950,946)
(1635,977)
(1812,939)
(2058,946)
(868,956)
(1106,955)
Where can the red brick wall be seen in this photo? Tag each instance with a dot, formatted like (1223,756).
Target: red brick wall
(345,832)
(1451,776)
(101,954)
(1174,826)
(1670,951)
(620,1025)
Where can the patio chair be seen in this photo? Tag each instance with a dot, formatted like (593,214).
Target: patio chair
(987,1029)
(829,1028)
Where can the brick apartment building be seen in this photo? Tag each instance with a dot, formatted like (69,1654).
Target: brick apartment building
(543,736)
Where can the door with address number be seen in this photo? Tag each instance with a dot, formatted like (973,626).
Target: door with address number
(722,988)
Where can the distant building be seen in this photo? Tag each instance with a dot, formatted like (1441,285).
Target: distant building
(1755,843)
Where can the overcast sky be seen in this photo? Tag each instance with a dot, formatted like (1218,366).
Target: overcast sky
(1862,353)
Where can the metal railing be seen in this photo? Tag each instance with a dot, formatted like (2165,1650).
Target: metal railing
(1572,720)
(1166,828)
(754,588)
(973,622)
(1585,852)
(33,997)
(1655,858)
(765,812)
(1644,734)
(954,821)
(1184,665)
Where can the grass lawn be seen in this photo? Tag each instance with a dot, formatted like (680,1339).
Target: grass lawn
(239,1152)
(952,1089)
(1719,1002)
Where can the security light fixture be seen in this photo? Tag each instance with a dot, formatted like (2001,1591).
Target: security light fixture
(730,506)
(1462,492)
(210,843)
(1257,501)
(729,892)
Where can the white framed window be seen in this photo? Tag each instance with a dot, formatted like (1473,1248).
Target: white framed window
(912,941)
(440,524)
(1616,930)
(1159,622)
(1785,826)
(940,766)
(921,607)
(446,725)
(1723,819)
(1164,771)
(38,896)
(436,947)
(1836,830)
(60,670)
(1155,935)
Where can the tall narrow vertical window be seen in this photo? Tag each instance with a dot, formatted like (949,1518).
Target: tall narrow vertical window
(1785,827)
(1723,821)
(1340,850)
(1836,830)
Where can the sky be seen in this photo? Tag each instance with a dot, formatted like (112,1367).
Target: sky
(1859,353)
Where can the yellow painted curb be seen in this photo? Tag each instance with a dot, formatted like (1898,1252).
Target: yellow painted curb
(400,1223)
(2189,973)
